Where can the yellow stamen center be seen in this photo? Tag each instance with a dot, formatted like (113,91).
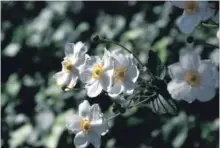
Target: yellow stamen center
(192,78)
(68,66)
(85,126)
(98,72)
(121,74)
(191,7)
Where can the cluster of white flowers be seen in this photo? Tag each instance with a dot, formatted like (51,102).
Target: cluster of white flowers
(194,13)
(115,73)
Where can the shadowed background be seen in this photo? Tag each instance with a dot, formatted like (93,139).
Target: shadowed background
(34,108)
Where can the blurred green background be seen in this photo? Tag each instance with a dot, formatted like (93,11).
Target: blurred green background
(34,108)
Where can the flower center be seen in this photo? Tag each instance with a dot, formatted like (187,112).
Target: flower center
(68,66)
(121,74)
(98,72)
(85,126)
(191,7)
(192,78)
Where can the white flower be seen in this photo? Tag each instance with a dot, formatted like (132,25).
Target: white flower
(97,74)
(88,126)
(194,13)
(125,74)
(193,78)
(75,58)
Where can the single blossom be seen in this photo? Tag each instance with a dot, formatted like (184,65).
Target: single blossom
(88,126)
(193,78)
(71,65)
(97,74)
(194,12)
(125,74)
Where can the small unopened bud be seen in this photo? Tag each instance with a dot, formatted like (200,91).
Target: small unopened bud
(190,39)
(95,38)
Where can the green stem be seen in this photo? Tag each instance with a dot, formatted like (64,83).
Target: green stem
(145,100)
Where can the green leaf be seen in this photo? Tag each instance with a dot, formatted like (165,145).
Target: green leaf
(19,136)
(13,85)
(133,121)
(12,49)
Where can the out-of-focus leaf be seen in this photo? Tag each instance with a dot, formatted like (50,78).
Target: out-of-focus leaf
(82,27)
(19,34)
(13,85)
(161,48)
(174,126)
(44,120)
(12,49)
(19,136)
(180,138)
(28,81)
(51,140)
(132,34)
(133,121)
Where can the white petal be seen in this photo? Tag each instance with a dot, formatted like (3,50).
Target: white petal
(106,82)
(73,123)
(187,23)
(133,73)
(180,91)
(100,128)
(79,61)
(208,76)
(84,109)
(91,61)
(95,139)
(176,71)
(206,93)
(107,60)
(128,87)
(72,83)
(179,4)
(81,140)
(94,89)
(95,113)
(190,61)
(115,90)
(79,49)
(120,58)
(69,49)
(63,78)
(86,76)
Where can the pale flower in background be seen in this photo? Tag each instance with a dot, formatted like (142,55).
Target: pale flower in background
(71,66)
(194,13)
(88,126)
(193,78)
(97,74)
(125,74)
